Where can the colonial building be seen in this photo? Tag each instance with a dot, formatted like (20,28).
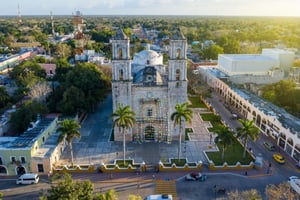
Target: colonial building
(272,121)
(34,151)
(150,88)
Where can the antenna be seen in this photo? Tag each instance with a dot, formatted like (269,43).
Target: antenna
(19,14)
(52,23)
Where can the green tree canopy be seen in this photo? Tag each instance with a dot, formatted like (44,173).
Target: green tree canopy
(28,74)
(212,52)
(4,97)
(68,189)
(181,114)
(124,118)
(246,131)
(224,138)
(68,129)
(20,120)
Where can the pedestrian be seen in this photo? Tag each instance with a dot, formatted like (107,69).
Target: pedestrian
(153,176)
(246,173)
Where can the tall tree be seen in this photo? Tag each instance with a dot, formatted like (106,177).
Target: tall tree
(244,195)
(282,191)
(182,113)
(4,97)
(123,118)
(246,131)
(69,189)
(224,138)
(69,130)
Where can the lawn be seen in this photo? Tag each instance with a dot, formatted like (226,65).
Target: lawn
(215,120)
(233,154)
(196,102)
(187,131)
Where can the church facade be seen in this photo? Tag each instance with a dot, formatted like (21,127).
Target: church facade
(150,88)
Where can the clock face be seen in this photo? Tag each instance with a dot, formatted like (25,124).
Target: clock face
(149,78)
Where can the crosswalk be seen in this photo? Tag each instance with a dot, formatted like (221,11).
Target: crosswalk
(166,187)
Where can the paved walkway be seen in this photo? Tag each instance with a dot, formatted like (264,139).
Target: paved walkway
(95,147)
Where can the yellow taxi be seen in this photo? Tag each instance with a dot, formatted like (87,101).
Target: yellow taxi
(279,158)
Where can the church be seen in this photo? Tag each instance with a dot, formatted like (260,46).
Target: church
(149,87)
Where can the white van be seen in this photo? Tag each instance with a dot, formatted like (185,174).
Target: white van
(159,197)
(28,179)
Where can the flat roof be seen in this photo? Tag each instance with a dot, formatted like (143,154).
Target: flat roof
(30,136)
(287,120)
(247,57)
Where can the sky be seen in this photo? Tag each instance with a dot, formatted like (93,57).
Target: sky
(153,7)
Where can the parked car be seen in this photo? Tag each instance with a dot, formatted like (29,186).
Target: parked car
(279,158)
(269,146)
(292,177)
(28,179)
(195,176)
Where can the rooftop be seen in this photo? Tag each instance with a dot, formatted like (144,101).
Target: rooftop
(27,139)
(247,57)
(287,120)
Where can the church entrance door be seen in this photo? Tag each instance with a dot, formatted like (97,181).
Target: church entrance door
(149,133)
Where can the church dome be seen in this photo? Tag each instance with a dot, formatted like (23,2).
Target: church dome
(147,57)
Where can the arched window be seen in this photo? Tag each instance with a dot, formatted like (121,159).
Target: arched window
(121,75)
(149,112)
(120,54)
(178,53)
(177,74)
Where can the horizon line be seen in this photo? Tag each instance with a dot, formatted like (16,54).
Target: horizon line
(172,15)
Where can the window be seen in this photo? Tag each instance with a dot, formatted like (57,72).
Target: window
(40,167)
(149,112)
(13,159)
(23,160)
(121,74)
(177,74)
(120,54)
(178,53)
(148,62)
(1,162)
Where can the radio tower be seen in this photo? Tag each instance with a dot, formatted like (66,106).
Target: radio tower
(19,15)
(52,24)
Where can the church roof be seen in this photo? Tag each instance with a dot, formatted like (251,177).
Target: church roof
(119,35)
(177,35)
(147,57)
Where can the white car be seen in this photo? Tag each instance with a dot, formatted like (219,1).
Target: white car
(292,178)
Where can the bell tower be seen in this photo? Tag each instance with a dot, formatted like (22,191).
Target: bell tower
(177,79)
(121,70)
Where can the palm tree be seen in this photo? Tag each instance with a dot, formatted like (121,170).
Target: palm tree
(224,138)
(182,113)
(69,130)
(246,131)
(124,118)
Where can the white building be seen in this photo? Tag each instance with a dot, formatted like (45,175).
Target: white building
(273,121)
(150,89)
(269,67)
